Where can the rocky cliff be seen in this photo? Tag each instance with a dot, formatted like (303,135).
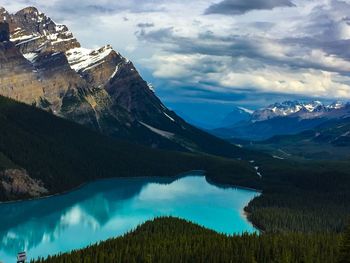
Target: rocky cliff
(43,64)
(16,183)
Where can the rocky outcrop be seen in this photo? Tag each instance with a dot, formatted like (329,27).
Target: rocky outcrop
(16,183)
(18,77)
(33,31)
(44,64)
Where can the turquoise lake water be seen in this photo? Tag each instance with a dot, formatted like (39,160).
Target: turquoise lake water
(110,208)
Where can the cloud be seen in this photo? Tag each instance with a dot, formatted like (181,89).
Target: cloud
(224,75)
(238,7)
(87,7)
(291,52)
(242,56)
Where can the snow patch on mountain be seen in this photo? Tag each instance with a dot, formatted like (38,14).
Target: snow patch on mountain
(162,133)
(170,118)
(301,110)
(246,110)
(82,59)
(31,57)
(150,86)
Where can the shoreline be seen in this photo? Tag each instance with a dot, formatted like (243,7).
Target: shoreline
(233,186)
(75,188)
(244,213)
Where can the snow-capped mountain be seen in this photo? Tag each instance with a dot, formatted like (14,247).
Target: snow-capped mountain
(43,64)
(288,117)
(302,110)
(238,114)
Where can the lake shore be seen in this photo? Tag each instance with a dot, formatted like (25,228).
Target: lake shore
(178,176)
(111,207)
(245,214)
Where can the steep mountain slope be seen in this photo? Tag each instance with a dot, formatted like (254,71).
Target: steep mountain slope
(45,65)
(42,154)
(289,117)
(238,114)
(330,140)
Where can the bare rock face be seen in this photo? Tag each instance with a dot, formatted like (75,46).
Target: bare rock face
(18,79)
(33,31)
(43,64)
(17,183)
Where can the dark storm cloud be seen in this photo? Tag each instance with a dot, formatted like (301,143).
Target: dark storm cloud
(250,47)
(238,7)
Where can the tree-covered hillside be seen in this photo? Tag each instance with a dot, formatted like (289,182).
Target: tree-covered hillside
(331,140)
(175,240)
(304,196)
(62,154)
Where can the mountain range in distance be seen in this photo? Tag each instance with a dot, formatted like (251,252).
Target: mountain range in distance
(289,117)
(327,141)
(44,65)
(209,117)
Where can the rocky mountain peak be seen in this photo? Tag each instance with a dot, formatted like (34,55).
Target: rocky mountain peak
(43,64)
(4,15)
(33,31)
(297,109)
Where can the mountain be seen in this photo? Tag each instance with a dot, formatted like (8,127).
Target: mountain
(44,65)
(289,117)
(41,154)
(330,140)
(310,110)
(209,116)
(238,114)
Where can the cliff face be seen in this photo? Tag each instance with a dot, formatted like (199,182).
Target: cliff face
(44,64)
(16,183)
(18,78)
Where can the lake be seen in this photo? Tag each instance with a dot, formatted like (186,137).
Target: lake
(110,208)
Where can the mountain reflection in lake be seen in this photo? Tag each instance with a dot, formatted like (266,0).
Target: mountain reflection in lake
(110,208)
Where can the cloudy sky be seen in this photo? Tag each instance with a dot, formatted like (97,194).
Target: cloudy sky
(218,53)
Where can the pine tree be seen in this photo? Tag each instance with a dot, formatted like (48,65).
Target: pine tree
(345,248)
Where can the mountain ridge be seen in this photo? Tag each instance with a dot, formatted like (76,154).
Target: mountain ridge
(289,117)
(42,154)
(44,65)
(302,110)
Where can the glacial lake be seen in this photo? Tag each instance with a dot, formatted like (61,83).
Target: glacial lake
(110,208)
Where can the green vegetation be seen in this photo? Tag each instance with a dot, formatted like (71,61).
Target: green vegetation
(5,163)
(63,154)
(307,196)
(345,248)
(308,190)
(175,240)
(329,141)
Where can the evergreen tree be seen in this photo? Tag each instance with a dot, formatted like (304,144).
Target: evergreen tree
(345,248)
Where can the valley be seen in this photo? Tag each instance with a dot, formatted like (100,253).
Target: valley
(94,167)
(286,118)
